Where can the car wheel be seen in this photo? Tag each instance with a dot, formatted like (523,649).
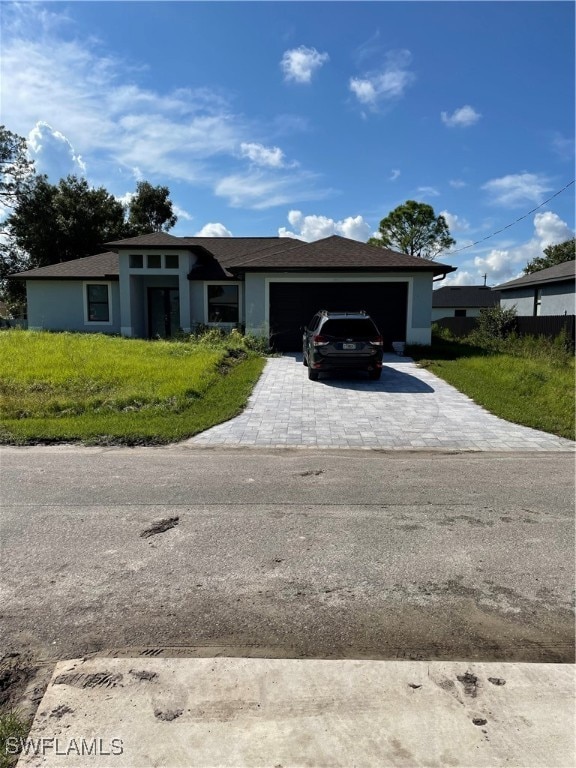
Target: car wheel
(375,374)
(312,374)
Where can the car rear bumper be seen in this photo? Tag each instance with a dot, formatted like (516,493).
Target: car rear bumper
(337,362)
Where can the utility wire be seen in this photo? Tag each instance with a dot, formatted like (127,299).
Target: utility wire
(450,253)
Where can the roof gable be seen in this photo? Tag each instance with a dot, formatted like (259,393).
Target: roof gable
(465,296)
(557,273)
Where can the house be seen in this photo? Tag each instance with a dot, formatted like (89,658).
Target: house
(549,291)
(156,285)
(462,300)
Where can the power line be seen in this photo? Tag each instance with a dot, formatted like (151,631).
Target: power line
(450,253)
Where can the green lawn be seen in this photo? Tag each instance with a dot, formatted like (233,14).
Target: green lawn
(535,391)
(97,389)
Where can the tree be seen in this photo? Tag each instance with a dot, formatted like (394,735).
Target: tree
(150,210)
(553,254)
(16,168)
(54,223)
(415,229)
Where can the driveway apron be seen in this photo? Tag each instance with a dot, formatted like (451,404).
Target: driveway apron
(409,408)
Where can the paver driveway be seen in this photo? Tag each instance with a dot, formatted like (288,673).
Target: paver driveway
(409,408)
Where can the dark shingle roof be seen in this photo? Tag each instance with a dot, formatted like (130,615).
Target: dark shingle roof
(465,296)
(221,257)
(556,274)
(337,252)
(103,265)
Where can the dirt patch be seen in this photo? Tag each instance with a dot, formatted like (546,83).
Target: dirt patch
(60,711)
(312,473)
(16,671)
(144,675)
(470,683)
(93,680)
(167,714)
(497,680)
(160,527)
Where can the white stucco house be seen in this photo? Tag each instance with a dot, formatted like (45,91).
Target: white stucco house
(157,285)
(549,291)
(462,300)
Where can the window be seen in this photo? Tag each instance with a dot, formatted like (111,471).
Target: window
(97,303)
(459,313)
(171,261)
(154,261)
(136,261)
(223,304)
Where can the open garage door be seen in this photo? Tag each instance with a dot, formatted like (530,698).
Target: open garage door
(293,304)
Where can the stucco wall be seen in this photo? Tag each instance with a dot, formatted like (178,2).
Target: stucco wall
(439,312)
(419,298)
(556,299)
(58,305)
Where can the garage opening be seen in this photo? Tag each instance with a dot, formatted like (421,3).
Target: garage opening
(293,304)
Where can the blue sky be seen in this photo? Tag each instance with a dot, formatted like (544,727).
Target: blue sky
(309,119)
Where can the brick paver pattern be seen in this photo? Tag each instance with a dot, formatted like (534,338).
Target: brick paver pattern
(409,408)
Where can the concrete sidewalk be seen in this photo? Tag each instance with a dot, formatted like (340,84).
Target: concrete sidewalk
(185,713)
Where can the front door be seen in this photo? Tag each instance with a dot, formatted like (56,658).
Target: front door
(163,312)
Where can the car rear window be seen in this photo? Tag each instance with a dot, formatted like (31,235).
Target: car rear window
(362,328)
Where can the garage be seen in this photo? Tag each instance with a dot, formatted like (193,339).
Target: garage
(292,304)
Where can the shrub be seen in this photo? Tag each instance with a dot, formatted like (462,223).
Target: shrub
(494,324)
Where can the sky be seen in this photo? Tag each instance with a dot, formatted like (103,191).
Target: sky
(307,119)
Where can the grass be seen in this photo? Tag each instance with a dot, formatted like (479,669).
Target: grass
(12,730)
(527,382)
(62,387)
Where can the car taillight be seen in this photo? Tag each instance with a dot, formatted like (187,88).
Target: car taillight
(320,341)
(377,342)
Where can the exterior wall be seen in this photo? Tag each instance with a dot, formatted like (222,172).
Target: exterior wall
(439,312)
(418,330)
(556,299)
(59,305)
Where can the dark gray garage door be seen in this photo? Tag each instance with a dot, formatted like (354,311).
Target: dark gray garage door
(293,304)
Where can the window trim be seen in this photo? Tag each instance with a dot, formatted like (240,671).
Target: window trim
(108,285)
(229,324)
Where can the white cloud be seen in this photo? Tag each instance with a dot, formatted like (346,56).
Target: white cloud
(214,229)
(299,64)
(387,83)
(503,264)
(457,183)
(183,135)
(181,213)
(428,191)
(394,174)
(273,157)
(313,227)
(259,189)
(53,153)
(462,277)
(518,188)
(455,223)
(461,118)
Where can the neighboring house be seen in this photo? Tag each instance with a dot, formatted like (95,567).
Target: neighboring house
(156,285)
(462,300)
(549,291)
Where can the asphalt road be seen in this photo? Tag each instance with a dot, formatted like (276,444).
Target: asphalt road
(288,553)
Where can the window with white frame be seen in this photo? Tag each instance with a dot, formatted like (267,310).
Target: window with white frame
(223,303)
(97,303)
